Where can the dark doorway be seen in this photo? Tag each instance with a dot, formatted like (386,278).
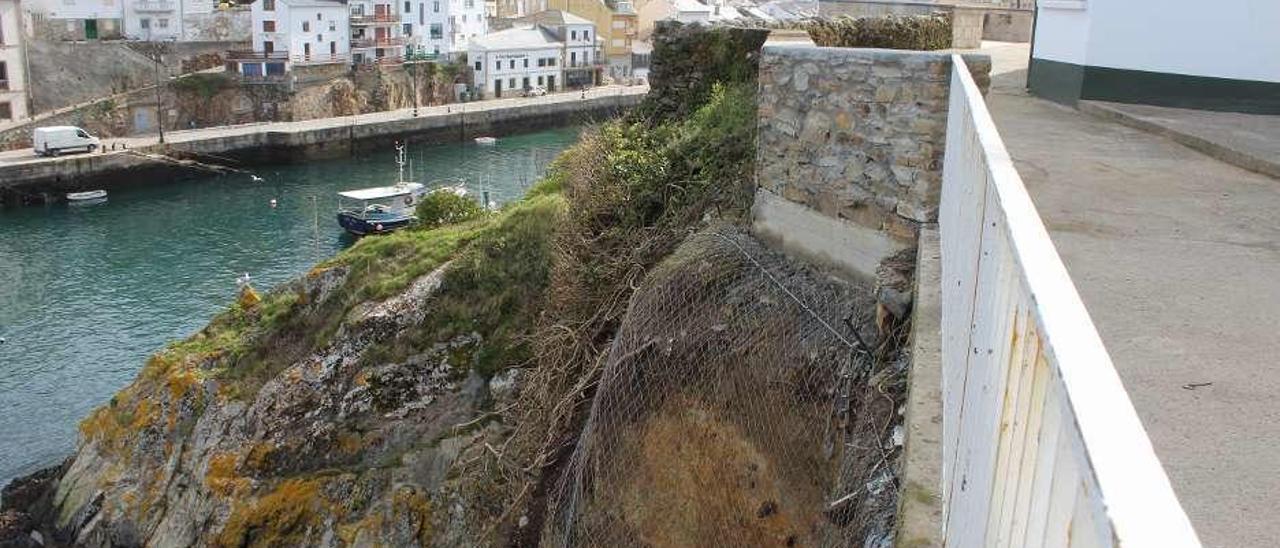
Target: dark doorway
(497,88)
(91,29)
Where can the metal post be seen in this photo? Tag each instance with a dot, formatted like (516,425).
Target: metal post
(415,90)
(159,98)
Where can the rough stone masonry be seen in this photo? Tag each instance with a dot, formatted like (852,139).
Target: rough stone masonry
(856,135)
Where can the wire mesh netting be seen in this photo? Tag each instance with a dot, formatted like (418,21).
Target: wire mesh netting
(737,407)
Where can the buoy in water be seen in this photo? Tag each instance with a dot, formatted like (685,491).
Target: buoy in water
(378,227)
(273,202)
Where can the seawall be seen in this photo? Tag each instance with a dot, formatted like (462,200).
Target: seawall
(27,178)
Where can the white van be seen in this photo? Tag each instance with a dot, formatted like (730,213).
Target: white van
(51,141)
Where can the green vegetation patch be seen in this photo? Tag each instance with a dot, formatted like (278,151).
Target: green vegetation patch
(913,32)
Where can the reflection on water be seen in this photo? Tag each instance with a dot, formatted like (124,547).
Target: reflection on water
(87,291)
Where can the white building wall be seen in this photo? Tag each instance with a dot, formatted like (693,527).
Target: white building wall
(1236,39)
(580,45)
(306,23)
(13,82)
(78,9)
(447,26)
(513,67)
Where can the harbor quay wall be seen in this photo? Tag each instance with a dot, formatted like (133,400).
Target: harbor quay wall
(38,180)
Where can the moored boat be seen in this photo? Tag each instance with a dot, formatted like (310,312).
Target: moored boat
(86,195)
(486,140)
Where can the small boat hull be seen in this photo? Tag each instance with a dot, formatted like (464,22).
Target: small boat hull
(86,196)
(486,140)
(361,226)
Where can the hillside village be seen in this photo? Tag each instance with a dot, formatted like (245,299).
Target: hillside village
(284,58)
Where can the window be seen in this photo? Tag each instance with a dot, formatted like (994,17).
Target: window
(408,7)
(586,35)
(573,35)
(268,5)
(437,31)
(408,29)
(471,4)
(511,83)
(81,134)
(498,66)
(318,17)
(6,111)
(333,26)
(267,26)
(477,66)
(464,18)
(333,48)
(4,76)
(526,62)
(513,65)
(573,58)
(306,26)
(435,6)
(539,80)
(542,62)
(422,14)
(319,38)
(146,23)
(551,61)
(268,47)
(306,49)
(524,83)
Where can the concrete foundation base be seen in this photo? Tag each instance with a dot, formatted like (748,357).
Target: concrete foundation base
(850,248)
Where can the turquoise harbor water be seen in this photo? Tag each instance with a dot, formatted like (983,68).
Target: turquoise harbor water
(88,292)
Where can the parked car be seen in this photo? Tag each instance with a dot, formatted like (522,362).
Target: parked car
(54,140)
(537,91)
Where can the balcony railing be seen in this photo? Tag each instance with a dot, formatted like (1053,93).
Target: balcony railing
(248,55)
(375,19)
(143,6)
(320,59)
(389,42)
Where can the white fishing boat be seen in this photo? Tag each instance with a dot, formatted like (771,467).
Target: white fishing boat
(486,140)
(87,196)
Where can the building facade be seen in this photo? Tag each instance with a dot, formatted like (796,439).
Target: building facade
(77,19)
(14,96)
(684,11)
(1177,53)
(186,20)
(444,27)
(616,21)
(377,31)
(293,32)
(552,50)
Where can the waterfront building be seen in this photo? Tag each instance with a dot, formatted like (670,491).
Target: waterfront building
(378,31)
(616,21)
(14,94)
(552,50)
(443,27)
(294,32)
(77,19)
(187,20)
(1178,54)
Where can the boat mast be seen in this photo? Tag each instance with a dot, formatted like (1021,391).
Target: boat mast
(400,161)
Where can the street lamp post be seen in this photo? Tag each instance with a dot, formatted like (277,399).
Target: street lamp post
(159,97)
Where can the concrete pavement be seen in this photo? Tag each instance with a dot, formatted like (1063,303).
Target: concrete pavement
(25,156)
(1177,257)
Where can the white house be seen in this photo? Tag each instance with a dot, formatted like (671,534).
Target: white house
(444,27)
(294,32)
(77,19)
(186,20)
(509,61)
(1222,55)
(13,67)
(581,57)
(378,30)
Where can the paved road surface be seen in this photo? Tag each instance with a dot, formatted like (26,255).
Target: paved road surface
(27,155)
(1177,257)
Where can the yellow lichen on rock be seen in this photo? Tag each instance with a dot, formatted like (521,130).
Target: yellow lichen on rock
(283,517)
(222,478)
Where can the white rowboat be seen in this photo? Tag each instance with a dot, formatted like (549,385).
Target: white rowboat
(486,140)
(87,195)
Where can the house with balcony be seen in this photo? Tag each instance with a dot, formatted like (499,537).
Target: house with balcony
(288,33)
(444,27)
(616,21)
(378,31)
(13,74)
(552,50)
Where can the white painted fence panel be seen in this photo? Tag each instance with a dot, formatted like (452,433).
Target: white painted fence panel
(1041,445)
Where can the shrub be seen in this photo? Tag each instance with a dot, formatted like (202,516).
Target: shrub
(914,32)
(446,208)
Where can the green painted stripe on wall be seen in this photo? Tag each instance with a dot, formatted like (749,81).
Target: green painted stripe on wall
(1068,83)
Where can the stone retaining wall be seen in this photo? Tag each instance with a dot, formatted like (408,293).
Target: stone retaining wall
(857,136)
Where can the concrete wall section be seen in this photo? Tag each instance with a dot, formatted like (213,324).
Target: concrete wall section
(856,135)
